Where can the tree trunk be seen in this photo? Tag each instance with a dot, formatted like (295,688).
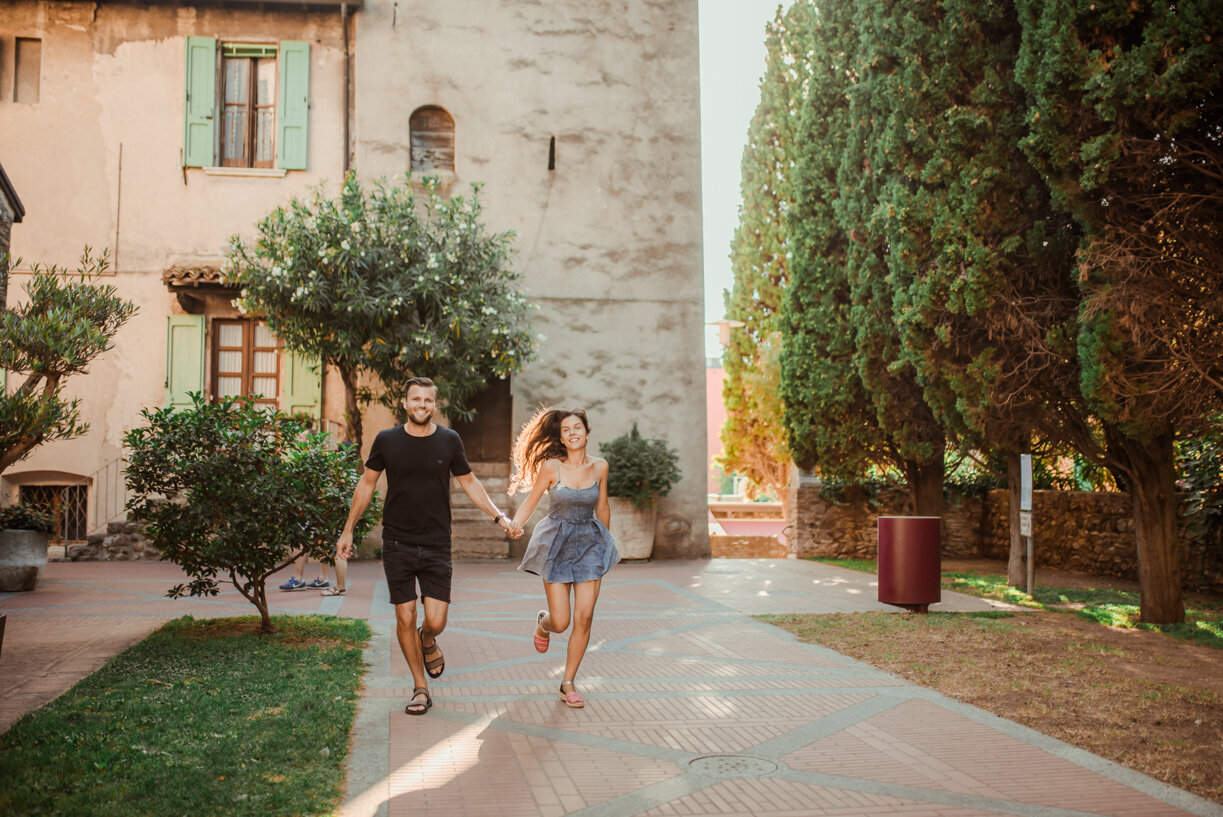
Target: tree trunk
(352,411)
(1153,492)
(4,276)
(1016,571)
(926,485)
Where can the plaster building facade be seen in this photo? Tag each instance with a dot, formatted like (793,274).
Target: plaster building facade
(158,130)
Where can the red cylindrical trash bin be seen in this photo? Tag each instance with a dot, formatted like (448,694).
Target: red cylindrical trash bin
(910,562)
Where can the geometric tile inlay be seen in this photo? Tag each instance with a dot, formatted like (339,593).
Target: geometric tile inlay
(724,767)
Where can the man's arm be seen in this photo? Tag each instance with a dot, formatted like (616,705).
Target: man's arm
(476,493)
(360,501)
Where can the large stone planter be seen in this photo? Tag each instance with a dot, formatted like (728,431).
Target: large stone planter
(23,555)
(632,528)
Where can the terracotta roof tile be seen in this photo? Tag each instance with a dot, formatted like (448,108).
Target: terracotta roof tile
(179,277)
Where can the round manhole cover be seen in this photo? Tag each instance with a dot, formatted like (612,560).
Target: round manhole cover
(733,766)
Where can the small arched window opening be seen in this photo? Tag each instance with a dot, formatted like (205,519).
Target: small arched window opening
(432,140)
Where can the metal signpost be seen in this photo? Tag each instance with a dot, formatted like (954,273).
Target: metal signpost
(1025,511)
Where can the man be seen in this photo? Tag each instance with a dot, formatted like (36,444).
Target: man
(419,458)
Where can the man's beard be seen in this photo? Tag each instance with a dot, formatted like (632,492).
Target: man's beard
(412,419)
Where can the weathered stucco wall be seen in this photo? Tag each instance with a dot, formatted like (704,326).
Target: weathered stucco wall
(610,241)
(1085,532)
(97,161)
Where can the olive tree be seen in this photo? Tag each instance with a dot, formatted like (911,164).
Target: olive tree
(66,321)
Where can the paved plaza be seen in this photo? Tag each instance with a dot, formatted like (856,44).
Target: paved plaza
(693,706)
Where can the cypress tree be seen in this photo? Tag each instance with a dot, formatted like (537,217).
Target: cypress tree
(830,422)
(977,260)
(753,436)
(1126,127)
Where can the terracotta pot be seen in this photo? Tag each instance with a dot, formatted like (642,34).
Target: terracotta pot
(632,528)
(23,555)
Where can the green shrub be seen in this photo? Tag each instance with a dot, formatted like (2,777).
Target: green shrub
(23,517)
(238,490)
(1200,462)
(639,469)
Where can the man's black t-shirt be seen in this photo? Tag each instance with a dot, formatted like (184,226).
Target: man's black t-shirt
(418,469)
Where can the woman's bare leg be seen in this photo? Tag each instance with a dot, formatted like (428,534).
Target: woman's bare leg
(584,597)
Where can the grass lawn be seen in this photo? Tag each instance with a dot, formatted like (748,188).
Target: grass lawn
(202,717)
(1113,606)
(1072,663)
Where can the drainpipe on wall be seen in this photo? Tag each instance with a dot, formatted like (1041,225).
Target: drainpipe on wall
(347,78)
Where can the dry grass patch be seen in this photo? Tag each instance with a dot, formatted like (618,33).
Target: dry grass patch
(1140,698)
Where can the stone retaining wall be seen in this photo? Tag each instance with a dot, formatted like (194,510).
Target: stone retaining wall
(122,542)
(746,547)
(1085,532)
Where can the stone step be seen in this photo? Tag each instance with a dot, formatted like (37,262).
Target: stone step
(472,530)
(470,513)
(479,549)
(490,469)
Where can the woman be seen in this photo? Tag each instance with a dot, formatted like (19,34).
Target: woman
(572,548)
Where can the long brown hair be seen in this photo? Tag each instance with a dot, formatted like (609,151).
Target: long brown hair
(538,441)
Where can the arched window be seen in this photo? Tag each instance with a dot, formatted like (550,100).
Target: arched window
(432,140)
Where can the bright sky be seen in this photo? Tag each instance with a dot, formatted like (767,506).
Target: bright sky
(732,62)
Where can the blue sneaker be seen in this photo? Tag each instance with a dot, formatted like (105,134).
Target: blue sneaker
(293,583)
(319,584)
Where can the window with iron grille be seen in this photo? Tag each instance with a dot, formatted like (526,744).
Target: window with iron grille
(67,504)
(245,360)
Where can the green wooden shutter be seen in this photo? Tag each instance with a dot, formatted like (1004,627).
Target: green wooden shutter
(293,105)
(199,107)
(184,359)
(303,384)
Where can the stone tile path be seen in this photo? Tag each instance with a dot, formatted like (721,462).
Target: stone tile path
(693,707)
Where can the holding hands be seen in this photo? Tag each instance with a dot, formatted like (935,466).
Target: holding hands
(507,525)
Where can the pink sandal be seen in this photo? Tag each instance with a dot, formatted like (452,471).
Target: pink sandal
(572,699)
(541,641)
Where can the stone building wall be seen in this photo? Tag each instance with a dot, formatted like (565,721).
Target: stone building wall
(1085,532)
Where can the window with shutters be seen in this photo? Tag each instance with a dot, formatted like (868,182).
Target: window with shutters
(432,140)
(246,105)
(248,94)
(244,358)
(245,361)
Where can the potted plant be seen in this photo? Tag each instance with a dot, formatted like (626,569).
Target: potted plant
(23,546)
(639,471)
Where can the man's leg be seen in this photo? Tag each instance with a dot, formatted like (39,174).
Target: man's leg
(436,613)
(405,629)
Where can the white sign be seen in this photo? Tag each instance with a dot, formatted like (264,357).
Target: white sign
(1025,523)
(1025,482)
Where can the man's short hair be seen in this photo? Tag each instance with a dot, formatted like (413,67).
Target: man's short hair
(423,382)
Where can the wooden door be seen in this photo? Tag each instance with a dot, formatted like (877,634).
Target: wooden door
(488,437)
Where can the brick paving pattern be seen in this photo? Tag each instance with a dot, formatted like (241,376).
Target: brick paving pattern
(693,706)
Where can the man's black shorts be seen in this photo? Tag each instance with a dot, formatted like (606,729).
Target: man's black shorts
(406,564)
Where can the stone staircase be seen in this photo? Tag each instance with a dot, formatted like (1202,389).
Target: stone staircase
(472,532)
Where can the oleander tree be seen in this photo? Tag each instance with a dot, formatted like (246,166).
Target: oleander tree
(753,437)
(1126,127)
(385,283)
(67,320)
